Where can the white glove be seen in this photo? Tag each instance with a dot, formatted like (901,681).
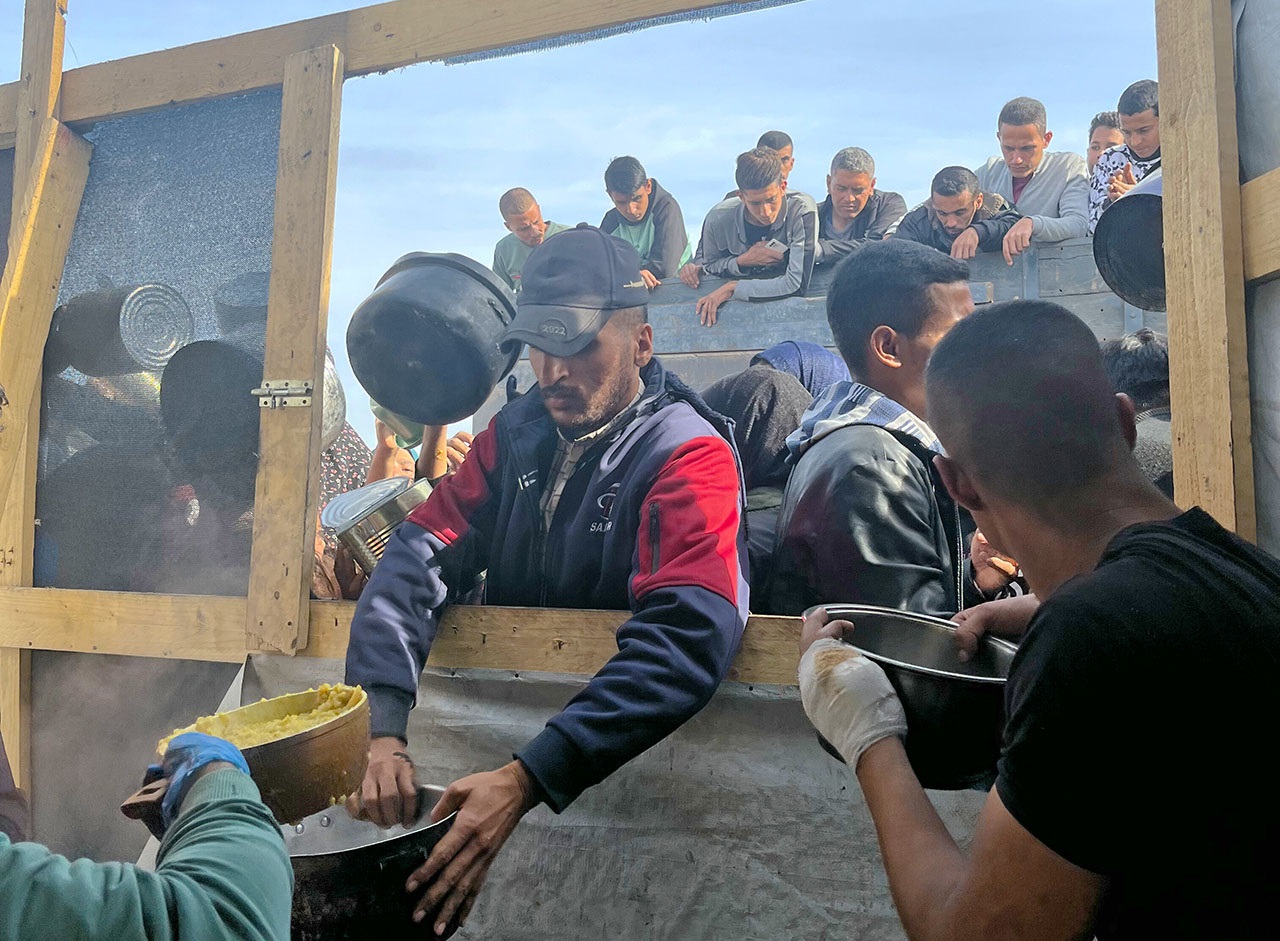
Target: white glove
(848,699)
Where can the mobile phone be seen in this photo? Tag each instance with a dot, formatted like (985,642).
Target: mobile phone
(776,246)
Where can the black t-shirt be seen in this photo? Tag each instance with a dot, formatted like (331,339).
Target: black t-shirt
(1141,736)
(756,233)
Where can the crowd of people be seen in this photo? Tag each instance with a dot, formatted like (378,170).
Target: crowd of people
(764,240)
(996,467)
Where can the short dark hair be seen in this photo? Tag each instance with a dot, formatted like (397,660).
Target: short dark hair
(1104,119)
(624,175)
(1138,365)
(952,181)
(775,140)
(758,169)
(885,284)
(1023,111)
(1017,393)
(1139,97)
(631,316)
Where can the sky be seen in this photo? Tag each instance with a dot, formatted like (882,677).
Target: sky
(426,151)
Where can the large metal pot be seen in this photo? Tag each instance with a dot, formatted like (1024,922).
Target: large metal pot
(118,330)
(1128,244)
(349,876)
(425,343)
(955,711)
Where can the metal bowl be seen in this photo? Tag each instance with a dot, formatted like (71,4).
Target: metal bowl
(349,876)
(367,518)
(311,770)
(955,711)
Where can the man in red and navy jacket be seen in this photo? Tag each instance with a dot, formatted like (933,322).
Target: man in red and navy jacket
(611,485)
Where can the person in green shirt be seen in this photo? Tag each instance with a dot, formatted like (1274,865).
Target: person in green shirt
(523,218)
(648,217)
(222,870)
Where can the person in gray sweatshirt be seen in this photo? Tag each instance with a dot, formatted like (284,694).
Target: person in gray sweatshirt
(1050,190)
(763,243)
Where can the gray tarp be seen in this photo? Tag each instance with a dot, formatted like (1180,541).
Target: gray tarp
(737,827)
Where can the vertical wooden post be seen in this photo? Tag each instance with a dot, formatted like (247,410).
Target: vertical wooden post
(288,485)
(1204,266)
(39,85)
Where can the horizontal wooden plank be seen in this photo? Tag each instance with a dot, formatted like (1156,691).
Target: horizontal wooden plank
(373,39)
(1260,212)
(202,627)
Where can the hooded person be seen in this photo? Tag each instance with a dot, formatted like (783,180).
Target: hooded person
(815,366)
(610,485)
(864,518)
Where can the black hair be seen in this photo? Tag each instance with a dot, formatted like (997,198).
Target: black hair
(631,316)
(952,181)
(885,284)
(624,175)
(1104,119)
(1023,111)
(775,140)
(758,169)
(1138,365)
(1018,395)
(1139,97)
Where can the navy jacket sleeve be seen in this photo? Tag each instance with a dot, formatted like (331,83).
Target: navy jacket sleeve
(689,609)
(399,611)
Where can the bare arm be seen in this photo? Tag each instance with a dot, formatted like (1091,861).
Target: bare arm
(941,893)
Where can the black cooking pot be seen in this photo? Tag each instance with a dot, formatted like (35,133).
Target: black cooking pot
(1128,244)
(349,875)
(425,343)
(955,711)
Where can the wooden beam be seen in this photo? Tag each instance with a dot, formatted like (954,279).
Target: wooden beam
(29,288)
(15,713)
(373,39)
(1260,206)
(286,507)
(196,627)
(1204,268)
(36,105)
(44,28)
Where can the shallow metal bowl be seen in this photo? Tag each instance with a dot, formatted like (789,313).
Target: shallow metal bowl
(310,770)
(955,710)
(349,875)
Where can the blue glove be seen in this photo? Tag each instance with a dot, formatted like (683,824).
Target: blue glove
(186,754)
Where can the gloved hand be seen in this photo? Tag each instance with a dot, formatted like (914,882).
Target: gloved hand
(187,754)
(848,698)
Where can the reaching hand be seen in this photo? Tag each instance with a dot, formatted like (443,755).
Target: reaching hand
(457,449)
(1007,617)
(966,244)
(651,280)
(689,275)
(1017,239)
(709,304)
(848,698)
(1121,182)
(389,794)
(992,570)
(489,806)
(186,755)
(758,256)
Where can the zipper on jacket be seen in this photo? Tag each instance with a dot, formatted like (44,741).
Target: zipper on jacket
(959,561)
(655,530)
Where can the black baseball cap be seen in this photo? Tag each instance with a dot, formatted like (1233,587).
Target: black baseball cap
(570,286)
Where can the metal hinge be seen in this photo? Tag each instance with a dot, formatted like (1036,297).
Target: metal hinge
(284,393)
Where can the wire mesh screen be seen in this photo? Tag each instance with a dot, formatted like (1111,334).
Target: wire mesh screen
(149,433)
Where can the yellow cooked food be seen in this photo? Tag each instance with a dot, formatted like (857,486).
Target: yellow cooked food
(333,701)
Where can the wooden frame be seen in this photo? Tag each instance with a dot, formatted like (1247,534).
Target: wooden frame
(1235,233)
(309,59)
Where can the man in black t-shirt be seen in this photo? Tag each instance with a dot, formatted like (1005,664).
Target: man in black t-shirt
(1133,796)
